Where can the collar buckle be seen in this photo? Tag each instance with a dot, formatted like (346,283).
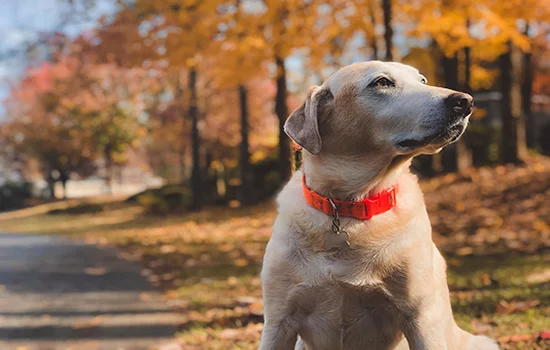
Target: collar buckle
(391,196)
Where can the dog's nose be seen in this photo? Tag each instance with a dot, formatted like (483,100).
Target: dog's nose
(459,104)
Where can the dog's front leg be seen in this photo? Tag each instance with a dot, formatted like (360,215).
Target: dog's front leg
(430,318)
(278,335)
(426,332)
(427,309)
(280,330)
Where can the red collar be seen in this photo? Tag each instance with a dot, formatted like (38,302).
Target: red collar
(362,210)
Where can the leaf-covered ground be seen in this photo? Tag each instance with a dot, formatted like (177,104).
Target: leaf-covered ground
(493,226)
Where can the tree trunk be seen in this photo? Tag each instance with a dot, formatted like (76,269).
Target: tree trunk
(207,170)
(450,72)
(179,98)
(388,30)
(373,41)
(196,177)
(510,148)
(464,154)
(450,154)
(467,70)
(457,156)
(281,109)
(63,178)
(181,166)
(107,154)
(434,163)
(246,191)
(50,181)
(64,184)
(221,188)
(526,93)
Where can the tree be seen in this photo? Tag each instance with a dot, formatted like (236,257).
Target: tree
(512,137)
(168,140)
(516,105)
(533,14)
(121,42)
(278,16)
(71,111)
(247,191)
(244,56)
(448,23)
(193,112)
(526,93)
(281,110)
(115,97)
(181,32)
(281,21)
(388,29)
(464,153)
(41,127)
(452,153)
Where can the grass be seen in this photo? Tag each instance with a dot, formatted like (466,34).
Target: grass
(501,295)
(209,262)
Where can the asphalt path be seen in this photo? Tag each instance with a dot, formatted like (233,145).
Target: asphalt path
(64,294)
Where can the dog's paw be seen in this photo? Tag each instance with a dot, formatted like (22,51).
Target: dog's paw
(481,342)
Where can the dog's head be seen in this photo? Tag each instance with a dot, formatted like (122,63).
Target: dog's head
(378,106)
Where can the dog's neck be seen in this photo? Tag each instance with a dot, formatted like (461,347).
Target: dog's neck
(351,178)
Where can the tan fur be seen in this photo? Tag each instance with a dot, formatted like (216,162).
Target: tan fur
(389,290)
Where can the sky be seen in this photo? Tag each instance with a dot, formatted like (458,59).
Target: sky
(22,22)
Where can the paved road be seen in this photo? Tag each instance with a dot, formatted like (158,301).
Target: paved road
(59,294)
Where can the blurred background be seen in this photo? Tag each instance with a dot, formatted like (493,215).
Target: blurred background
(113,97)
(156,126)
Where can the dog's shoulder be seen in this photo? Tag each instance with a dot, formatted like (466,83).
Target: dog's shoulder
(297,234)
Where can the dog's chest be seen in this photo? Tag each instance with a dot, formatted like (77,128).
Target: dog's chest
(337,316)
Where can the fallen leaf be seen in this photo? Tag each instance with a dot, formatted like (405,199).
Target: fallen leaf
(241,262)
(94,322)
(538,277)
(144,296)
(171,346)
(481,326)
(230,333)
(167,249)
(464,251)
(504,307)
(520,337)
(95,271)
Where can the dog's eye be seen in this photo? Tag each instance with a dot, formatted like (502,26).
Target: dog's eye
(424,81)
(383,82)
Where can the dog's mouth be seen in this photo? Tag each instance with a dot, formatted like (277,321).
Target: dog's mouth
(439,139)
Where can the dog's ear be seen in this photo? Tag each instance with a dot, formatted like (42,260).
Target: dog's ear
(302,126)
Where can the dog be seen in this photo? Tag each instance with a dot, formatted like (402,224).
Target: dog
(351,263)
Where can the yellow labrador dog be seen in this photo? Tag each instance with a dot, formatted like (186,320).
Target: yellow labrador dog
(351,263)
